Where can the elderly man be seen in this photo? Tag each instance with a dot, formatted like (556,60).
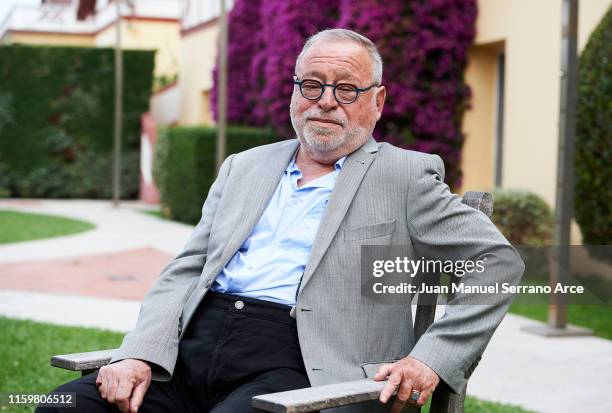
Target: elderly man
(266,296)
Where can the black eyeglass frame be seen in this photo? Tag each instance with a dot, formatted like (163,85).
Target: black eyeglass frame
(297,81)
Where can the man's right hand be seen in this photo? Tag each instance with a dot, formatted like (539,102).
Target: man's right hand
(124,383)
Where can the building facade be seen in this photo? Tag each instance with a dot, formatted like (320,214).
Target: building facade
(145,24)
(512,129)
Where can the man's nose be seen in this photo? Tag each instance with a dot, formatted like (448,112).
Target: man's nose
(327,101)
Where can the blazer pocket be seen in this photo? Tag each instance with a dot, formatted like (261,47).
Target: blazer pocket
(370,368)
(369,231)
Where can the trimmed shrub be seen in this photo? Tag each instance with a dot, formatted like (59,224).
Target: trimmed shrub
(523,217)
(184,165)
(56,120)
(593,193)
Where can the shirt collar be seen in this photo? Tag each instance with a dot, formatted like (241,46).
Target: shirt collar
(292,167)
(340,163)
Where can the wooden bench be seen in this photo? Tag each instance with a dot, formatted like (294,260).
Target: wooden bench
(332,395)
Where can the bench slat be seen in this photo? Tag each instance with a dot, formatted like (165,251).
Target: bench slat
(83,361)
(319,397)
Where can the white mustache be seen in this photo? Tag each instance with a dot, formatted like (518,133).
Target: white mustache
(308,116)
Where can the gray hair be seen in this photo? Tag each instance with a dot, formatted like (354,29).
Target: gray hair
(348,36)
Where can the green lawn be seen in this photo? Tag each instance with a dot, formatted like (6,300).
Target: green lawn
(26,346)
(473,405)
(20,226)
(154,213)
(592,309)
(597,317)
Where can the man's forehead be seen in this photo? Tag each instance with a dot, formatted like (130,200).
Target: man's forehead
(338,72)
(343,59)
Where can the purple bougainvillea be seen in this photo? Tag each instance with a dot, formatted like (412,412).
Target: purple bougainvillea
(442,31)
(244,79)
(288,23)
(423,43)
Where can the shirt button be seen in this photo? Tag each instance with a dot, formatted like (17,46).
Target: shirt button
(239,305)
(250,267)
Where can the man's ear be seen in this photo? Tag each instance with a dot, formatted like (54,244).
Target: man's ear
(381,94)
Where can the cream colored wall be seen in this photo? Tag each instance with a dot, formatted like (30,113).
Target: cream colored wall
(206,111)
(477,162)
(164,106)
(531,31)
(49,38)
(199,50)
(145,34)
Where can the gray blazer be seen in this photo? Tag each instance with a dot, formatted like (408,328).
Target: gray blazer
(383,196)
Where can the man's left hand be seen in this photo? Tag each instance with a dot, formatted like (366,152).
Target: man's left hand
(406,375)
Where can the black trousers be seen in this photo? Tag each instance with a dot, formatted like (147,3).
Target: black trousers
(234,348)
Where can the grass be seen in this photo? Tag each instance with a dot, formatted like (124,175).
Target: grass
(26,346)
(597,317)
(473,405)
(154,213)
(20,226)
(591,309)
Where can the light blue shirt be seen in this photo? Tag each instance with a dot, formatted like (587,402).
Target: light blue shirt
(270,263)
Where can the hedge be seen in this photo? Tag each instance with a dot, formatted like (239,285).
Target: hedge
(56,120)
(526,221)
(593,194)
(523,217)
(184,165)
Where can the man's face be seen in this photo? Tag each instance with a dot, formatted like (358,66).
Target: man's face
(324,126)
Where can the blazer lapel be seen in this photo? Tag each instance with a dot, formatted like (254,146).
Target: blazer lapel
(346,185)
(258,190)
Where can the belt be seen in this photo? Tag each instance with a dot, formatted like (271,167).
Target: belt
(249,306)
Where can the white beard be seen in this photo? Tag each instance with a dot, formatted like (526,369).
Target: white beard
(309,135)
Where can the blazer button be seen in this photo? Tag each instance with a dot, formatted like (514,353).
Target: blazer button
(239,305)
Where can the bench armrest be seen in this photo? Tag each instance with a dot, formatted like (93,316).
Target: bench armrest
(320,397)
(83,361)
(301,400)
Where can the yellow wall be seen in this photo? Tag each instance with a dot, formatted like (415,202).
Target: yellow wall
(478,151)
(199,50)
(206,111)
(48,38)
(145,34)
(531,31)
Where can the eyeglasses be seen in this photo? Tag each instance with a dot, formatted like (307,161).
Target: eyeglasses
(344,93)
